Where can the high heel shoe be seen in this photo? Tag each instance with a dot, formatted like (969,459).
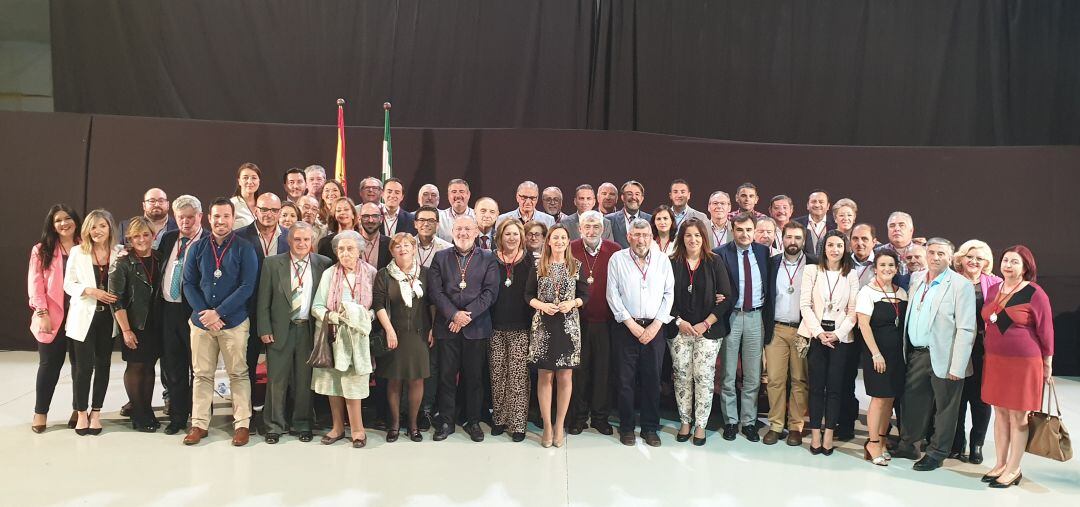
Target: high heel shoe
(545,442)
(878,460)
(997,484)
(989,478)
(815,450)
(95,431)
(559,442)
(38,428)
(73,420)
(82,432)
(827,451)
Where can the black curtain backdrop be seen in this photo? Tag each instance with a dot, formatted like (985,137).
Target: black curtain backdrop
(1003,195)
(870,72)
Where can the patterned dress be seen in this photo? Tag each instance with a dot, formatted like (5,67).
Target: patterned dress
(555,340)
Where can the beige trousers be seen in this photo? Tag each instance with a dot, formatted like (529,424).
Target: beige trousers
(232,345)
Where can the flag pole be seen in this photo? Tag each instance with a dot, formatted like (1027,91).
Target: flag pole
(339,158)
(387,153)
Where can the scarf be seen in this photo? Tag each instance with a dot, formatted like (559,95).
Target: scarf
(408,282)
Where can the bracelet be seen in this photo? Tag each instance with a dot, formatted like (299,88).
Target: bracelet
(42,312)
(877,356)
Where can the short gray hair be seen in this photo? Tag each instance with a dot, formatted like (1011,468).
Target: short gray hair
(640,223)
(186,201)
(528,184)
(592,216)
(941,241)
(346,235)
(910,220)
(719,192)
(299,226)
(314,169)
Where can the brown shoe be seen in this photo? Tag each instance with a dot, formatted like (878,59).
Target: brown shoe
(240,437)
(770,438)
(794,438)
(194,436)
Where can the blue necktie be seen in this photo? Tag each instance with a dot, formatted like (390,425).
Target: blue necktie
(178,270)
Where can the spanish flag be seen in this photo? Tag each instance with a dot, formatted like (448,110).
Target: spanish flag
(339,158)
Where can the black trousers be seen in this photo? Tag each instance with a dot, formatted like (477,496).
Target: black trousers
(592,379)
(638,363)
(93,358)
(50,362)
(849,404)
(176,359)
(926,397)
(467,357)
(972,397)
(825,376)
(254,348)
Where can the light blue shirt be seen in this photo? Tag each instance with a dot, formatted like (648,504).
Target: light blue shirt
(758,296)
(630,297)
(920,316)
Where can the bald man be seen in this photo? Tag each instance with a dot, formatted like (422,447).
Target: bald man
(155,206)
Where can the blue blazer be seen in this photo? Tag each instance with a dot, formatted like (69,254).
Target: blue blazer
(731,258)
(618,226)
(405,222)
(478,296)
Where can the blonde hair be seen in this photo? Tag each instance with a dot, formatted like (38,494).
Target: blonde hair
(967,247)
(400,238)
(137,225)
(91,219)
(845,203)
(501,228)
(543,266)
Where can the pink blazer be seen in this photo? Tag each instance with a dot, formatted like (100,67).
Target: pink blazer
(813,298)
(46,290)
(986,281)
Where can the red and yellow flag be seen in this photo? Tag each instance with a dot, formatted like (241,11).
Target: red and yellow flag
(339,158)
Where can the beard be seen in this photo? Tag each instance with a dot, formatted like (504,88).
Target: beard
(792,249)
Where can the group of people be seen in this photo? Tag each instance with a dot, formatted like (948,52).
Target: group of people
(465,310)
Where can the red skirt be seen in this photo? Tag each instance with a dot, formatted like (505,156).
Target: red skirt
(1011,382)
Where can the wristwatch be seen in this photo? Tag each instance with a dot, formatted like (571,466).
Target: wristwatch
(678,321)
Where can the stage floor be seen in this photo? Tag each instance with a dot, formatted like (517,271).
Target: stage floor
(122,467)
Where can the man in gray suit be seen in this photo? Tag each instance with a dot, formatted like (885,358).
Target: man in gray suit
(287,287)
(939,331)
(527,196)
(632,195)
(679,193)
(584,200)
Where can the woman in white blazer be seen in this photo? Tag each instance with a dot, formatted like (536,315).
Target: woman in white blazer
(89,321)
(827,304)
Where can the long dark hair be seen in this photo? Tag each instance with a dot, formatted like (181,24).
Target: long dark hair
(846,263)
(680,240)
(49,236)
(652,222)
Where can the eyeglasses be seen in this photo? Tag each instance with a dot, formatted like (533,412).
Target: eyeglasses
(268,210)
(426,220)
(527,197)
(552,199)
(371,218)
(156,200)
(370,187)
(535,234)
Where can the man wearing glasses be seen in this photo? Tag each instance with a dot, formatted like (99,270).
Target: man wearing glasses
(155,205)
(371,190)
(527,195)
(376,248)
(268,238)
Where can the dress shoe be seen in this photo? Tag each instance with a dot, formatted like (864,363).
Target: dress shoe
(329,440)
(730,430)
(909,453)
(682,437)
(359,443)
(240,437)
(627,438)
(37,428)
(975,457)
(815,450)
(926,464)
(651,438)
(997,484)
(518,436)
(751,433)
(174,428)
(794,438)
(392,435)
(956,454)
(576,428)
(771,437)
(73,420)
(125,411)
(559,440)
(603,427)
(415,435)
(827,451)
(989,478)
(498,429)
(144,427)
(194,436)
(94,431)
(699,441)
(474,432)
(273,438)
(306,436)
(443,432)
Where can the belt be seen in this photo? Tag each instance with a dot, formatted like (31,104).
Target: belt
(787,324)
(299,321)
(100,308)
(921,349)
(643,322)
(740,310)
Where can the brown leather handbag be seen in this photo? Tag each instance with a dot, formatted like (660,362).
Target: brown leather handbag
(1047,436)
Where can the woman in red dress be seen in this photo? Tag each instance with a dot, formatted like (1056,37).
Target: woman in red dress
(1019,351)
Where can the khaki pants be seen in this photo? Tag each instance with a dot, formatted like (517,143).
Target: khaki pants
(782,362)
(232,345)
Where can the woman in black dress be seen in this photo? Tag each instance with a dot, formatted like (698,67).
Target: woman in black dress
(556,289)
(880,305)
(136,282)
(400,302)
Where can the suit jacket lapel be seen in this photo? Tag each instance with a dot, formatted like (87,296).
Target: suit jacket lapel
(944,287)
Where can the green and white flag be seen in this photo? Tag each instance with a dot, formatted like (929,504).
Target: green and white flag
(387,155)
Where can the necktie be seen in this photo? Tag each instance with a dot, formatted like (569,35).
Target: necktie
(748,284)
(297,289)
(484,242)
(178,270)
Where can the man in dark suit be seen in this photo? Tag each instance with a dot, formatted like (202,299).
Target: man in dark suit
(633,194)
(287,286)
(155,205)
(175,326)
(751,318)
(464,283)
(269,239)
(817,222)
(395,218)
(371,226)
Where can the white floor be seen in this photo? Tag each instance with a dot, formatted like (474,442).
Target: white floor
(122,467)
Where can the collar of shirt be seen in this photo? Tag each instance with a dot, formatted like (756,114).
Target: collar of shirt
(295,260)
(869,260)
(742,249)
(592,251)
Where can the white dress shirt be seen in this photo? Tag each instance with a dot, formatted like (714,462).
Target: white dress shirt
(446,222)
(306,288)
(631,296)
(787,303)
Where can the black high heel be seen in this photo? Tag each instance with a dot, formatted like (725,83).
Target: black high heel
(1002,485)
(989,478)
(815,450)
(82,432)
(94,431)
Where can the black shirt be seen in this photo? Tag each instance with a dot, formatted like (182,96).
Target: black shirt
(510,312)
(710,278)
